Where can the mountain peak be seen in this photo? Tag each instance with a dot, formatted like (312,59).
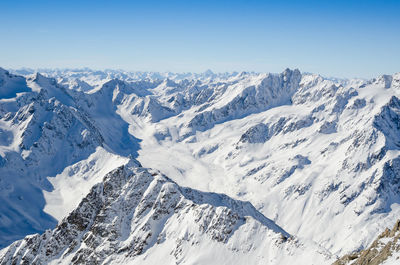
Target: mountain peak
(125,216)
(208,73)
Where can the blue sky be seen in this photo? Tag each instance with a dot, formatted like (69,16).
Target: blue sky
(335,38)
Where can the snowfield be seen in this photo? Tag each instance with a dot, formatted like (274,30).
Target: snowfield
(309,166)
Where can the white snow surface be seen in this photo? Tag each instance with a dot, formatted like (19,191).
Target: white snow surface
(319,157)
(75,182)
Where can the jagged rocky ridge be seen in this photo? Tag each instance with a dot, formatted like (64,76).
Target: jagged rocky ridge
(384,250)
(134,211)
(271,91)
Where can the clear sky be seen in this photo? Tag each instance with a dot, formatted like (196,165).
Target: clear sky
(343,38)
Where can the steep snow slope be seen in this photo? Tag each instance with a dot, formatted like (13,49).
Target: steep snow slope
(71,185)
(11,84)
(136,216)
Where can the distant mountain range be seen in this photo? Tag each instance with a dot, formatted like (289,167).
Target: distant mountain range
(147,168)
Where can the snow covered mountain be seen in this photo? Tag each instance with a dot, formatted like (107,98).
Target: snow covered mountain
(43,131)
(138,216)
(319,157)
